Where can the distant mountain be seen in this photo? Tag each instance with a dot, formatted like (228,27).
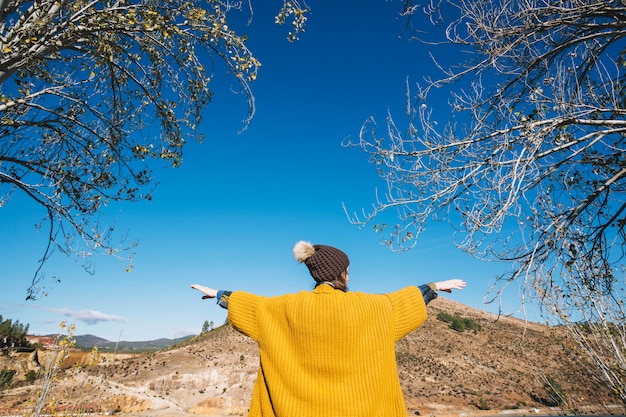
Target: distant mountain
(88,341)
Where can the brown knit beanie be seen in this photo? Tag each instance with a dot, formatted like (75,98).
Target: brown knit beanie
(325,263)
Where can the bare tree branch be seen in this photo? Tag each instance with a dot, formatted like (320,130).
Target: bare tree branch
(531,167)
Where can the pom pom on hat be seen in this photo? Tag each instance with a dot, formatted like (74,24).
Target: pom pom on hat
(325,263)
(303,251)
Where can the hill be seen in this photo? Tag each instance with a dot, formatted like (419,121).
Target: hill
(87,342)
(491,366)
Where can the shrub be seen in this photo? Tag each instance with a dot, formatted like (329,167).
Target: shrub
(6,376)
(556,393)
(31,376)
(458,323)
(482,404)
(445,317)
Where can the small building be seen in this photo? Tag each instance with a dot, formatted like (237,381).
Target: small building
(43,341)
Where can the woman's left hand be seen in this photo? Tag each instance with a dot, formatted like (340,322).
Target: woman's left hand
(208,292)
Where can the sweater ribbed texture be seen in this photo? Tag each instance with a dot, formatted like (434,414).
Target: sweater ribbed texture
(327,353)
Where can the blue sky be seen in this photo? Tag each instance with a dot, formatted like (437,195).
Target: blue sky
(229,217)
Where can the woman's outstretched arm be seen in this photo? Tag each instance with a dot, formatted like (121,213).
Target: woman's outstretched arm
(208,292)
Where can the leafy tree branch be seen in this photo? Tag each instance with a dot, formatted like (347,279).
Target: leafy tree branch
(93,92)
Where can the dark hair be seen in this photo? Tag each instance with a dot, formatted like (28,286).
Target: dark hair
(339,283)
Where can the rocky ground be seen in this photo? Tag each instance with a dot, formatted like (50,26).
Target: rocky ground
(500,368)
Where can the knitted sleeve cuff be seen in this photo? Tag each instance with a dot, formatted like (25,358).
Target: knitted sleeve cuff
(222,298)
(429,292)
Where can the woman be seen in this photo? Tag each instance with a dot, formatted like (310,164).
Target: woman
(328,352)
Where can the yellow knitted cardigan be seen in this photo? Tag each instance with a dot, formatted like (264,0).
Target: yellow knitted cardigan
(327,353)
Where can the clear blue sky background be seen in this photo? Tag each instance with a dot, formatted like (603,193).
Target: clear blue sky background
(231,215)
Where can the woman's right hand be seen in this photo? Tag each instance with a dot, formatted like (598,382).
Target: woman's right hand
(449,285)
